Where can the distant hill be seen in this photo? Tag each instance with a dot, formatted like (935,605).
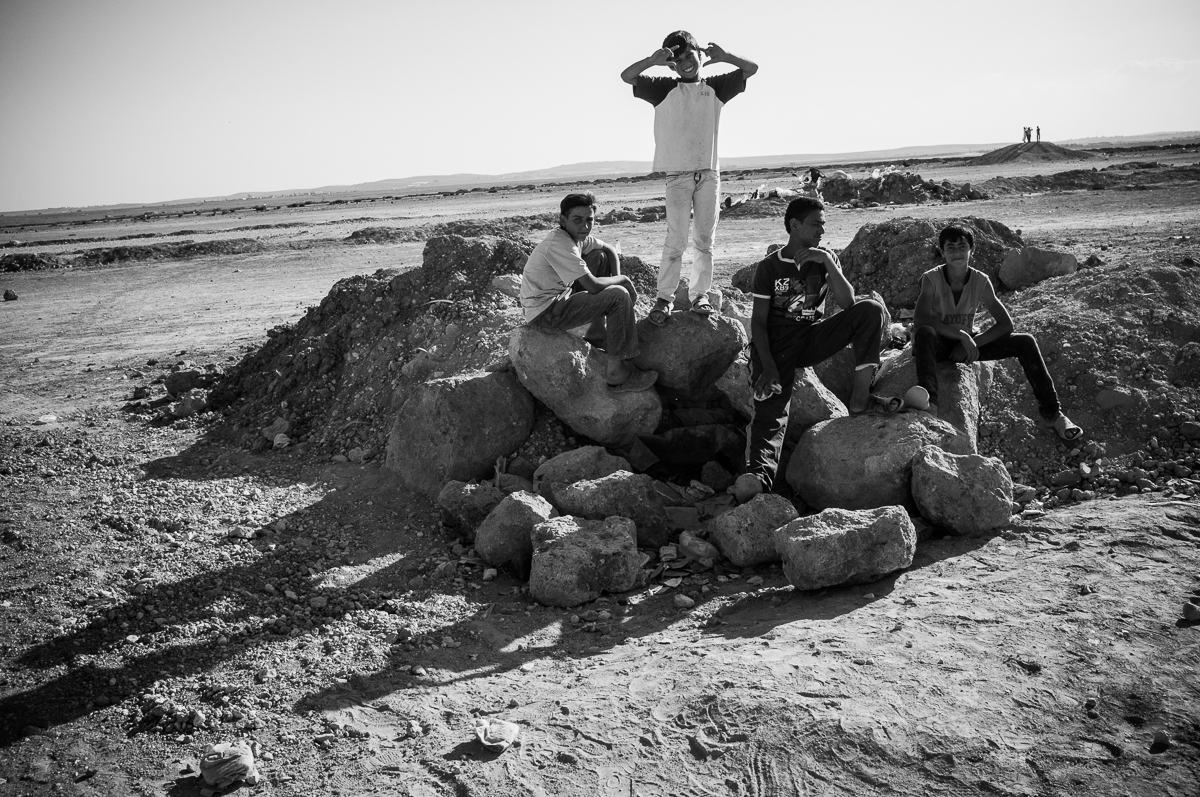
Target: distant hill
(1187,137)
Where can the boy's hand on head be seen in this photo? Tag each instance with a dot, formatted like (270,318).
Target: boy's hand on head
(715,52)
(662,56)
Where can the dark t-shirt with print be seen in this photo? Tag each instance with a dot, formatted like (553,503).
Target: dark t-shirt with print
(796,292)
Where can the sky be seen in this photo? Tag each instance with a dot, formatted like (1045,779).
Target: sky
(115,101)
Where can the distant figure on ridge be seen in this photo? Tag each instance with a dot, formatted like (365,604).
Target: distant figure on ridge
(944,322)
(788,332)
(1039,133)
(687,114)
(572,279)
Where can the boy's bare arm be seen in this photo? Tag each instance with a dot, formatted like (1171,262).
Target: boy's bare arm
(1003,321)
(657,58)
(717,55)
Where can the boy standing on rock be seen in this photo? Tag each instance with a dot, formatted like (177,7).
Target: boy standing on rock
(572,279)
(944,322)
(687,114)
(788,332)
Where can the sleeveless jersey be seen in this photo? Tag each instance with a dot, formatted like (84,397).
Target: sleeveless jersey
(960,314)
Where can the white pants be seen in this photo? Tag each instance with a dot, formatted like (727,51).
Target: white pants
(689,193)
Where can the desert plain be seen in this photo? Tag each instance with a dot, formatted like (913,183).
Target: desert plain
(155,567)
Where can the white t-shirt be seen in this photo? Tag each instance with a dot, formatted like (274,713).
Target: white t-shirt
(553,265)
(687,117)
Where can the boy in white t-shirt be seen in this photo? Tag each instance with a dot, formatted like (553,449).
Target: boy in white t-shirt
(572,279)
(687,114)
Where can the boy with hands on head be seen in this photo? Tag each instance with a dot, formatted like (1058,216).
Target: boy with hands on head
(687,115)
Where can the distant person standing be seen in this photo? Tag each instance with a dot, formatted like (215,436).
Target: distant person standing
(1039,132)
(687,115)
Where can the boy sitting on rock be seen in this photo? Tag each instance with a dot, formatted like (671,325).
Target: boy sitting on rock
(572,279)
(789,332)
(944,321)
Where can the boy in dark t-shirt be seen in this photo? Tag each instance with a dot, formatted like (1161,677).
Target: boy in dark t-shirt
(687,115)
(789,332)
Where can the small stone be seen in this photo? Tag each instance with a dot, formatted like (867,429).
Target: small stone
(1090,703)
(318,601)
(1191,612)
(1162,738)
(1093,714)
(684,602)
(490,573)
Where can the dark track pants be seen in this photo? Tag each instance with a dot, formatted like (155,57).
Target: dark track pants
(800,346)
(930,348)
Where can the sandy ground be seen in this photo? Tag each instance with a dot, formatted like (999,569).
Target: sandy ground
(1041,660)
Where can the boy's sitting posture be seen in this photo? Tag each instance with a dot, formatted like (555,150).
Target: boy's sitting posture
(789,332)
(950,296)
(572,279)
(687,114)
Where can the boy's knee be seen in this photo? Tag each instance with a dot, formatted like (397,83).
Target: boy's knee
(925,335)
(615,297)
(599,264)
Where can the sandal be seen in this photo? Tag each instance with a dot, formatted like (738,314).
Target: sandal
(1063,427)
(638,381)
(701,306)
(882,405)
(660,312)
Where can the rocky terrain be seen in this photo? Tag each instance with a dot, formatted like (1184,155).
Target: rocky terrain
(172,579)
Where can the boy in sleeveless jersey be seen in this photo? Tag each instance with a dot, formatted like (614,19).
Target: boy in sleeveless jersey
(944,322)
(687,114)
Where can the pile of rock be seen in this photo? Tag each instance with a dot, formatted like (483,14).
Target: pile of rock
(893,187)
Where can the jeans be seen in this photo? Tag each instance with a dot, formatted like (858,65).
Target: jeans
(689,193)
(608,313)
(799,346)
(930,348)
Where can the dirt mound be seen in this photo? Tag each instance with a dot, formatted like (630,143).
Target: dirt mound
(1134,176)
(1036,152)
(183,249)
(890,257)
(508,227)
(26,261)
(884,187)
(1123,344)
(340,374)
(386,235)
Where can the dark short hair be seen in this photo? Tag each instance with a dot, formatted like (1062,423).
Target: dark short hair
(799,208)
(955,232)
(585,200)
(679,42)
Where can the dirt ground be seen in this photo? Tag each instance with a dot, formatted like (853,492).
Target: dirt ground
(162,589)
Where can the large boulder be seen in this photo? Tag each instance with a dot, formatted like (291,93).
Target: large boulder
(576,560)
(690,352)
(734,385)
(567,375)
(864,461)
(960,388)
(1028,266)
(625,494)
(456,428)
(586,462)
(891,256)
(503,538)
(746,534)
(966,494)
(812,402)
(839,546)
(464,505)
